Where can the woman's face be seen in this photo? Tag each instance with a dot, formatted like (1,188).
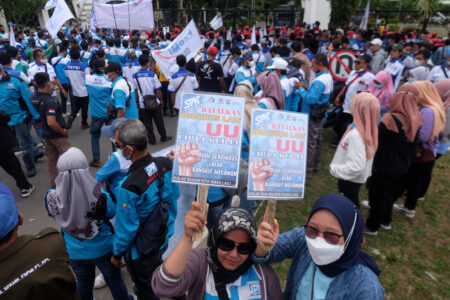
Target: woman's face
(325,221)
(231,260)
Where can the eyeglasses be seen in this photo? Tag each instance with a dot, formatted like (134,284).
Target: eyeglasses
(228,245)
(330,237)
(119,146)
(357,62)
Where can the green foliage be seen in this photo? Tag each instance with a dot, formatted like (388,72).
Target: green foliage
(22,12)
(341,12)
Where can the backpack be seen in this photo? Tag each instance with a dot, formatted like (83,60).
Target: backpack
(151,234)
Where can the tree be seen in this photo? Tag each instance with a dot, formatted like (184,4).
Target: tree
(427,8)
(22,12)
(341,12)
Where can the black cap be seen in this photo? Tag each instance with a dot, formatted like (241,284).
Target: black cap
(114,67)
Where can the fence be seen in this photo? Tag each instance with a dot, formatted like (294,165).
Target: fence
(231,17)
(408,20)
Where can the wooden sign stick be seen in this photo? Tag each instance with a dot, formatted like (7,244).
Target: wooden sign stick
(202,198)
(271,208)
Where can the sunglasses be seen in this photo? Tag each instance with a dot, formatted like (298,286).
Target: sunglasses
(330,237)
(228,245)
(357,62)
(119,146)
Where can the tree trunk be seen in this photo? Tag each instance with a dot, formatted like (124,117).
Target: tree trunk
(426,20)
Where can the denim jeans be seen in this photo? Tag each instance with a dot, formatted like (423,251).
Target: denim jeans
(95,131)
(26,143)
(85,272)
(141,272)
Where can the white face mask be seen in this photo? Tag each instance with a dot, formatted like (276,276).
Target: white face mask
(418,63)
(251,64)
(322,252)
(378,86)
(44,61)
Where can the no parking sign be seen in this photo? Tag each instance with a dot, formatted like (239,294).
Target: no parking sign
(341,64)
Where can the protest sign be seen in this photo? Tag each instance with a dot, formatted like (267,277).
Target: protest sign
(209,137)
(341,64)
(188,43)
(277,164)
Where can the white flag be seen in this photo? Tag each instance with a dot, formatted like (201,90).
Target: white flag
(216,22)
(12,38)
(60,15)
(229,38)
(188,43)
(365,19)
(253,37)
(50,4)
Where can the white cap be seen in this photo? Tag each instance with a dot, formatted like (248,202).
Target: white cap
(279,64)
(376,42)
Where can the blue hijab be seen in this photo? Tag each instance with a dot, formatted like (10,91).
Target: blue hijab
(345,210)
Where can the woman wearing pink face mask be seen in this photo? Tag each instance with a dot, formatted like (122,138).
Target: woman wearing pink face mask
(382,88)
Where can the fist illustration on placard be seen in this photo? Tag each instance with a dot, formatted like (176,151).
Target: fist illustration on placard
(261,170)
(187,155)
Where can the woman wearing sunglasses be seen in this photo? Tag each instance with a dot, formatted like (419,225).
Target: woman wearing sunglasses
(327,261)
(224,270)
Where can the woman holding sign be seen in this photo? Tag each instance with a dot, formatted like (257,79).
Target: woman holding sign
(352,162)
(327,261)
(224,270)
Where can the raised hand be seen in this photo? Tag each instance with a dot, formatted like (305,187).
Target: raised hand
(188,155)
(261,170)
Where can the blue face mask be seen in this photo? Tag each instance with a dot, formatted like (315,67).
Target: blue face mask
(378,86)
(107,78)
(411,80)
(121,154)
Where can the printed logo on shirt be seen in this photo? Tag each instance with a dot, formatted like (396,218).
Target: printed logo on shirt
(10,86)
(344,145)
(151,169)
(254,289)
(51,110)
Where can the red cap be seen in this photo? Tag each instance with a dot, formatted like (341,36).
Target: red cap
(213,50)
(270,29)
(434,34)
(239,31)
(246,27)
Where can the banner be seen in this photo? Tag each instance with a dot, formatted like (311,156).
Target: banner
(12,37)
(365,18)
(229,38)
(277,164)
(188,42)
(136,14)
(253,37)
(209,138)
(216,22)
(50,4)
(60,15)
(166,30)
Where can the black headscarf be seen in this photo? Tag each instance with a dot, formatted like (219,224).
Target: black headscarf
(345,210)
(230,219)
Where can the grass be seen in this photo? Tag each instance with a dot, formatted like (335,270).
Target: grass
(413,256)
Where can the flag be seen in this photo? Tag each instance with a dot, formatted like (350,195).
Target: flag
(136,14)
(188,42)
(229,34)
(12,38)
(60,15)
(50,4)
(216,22)
(253,37)
(365,19)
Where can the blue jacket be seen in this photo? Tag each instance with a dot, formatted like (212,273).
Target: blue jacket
(11,89)
(114,171)
(97,247)
(358,282)
(137,197)
(318,92)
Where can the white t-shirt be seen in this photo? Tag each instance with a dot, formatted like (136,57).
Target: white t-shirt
(188,86)
(357,85)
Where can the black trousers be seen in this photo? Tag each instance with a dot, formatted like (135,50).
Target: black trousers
(419,176)
(83,104)
(341,123)
(147,117)
(168,105)
(350,190)
(10,163)
(383,191)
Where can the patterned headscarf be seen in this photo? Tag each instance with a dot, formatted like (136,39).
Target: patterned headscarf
(229,220)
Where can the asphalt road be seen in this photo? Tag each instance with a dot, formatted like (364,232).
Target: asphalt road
(35,216)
